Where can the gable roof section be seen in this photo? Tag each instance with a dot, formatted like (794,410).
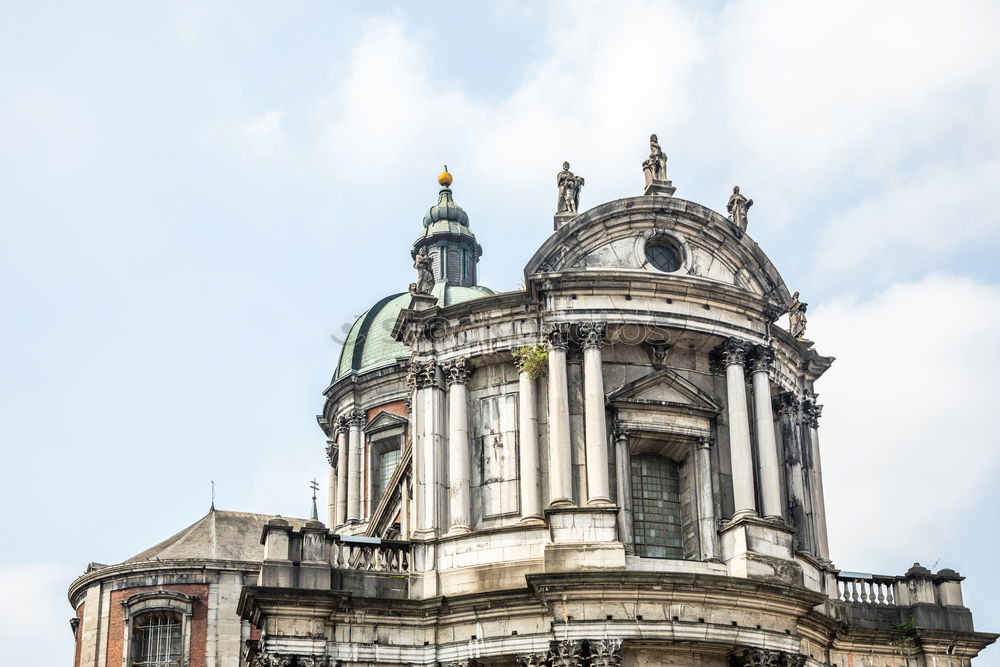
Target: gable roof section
(665,389)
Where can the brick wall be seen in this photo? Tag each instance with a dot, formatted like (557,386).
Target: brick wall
(199,620)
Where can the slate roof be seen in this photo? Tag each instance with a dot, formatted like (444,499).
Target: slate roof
(219,535)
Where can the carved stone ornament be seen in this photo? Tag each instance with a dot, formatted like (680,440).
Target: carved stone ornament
(734,351)
(458,371)
(738,206)
(605,653)
(313,661)
(464,663)
(705,441)
(533,659)
(621,431)
(786,405)
(425,277)
(761,359)
(592,334)
(658,354)
(566,653)
(411,386)
(331,453)
(811,412)
(264,659)
(557,336)
(357,418)
(797,317)
(760,657)
(654,168)
(569,190)
(426,374)
(343,426)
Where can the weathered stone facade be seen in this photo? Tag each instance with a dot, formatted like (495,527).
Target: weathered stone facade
(617,465)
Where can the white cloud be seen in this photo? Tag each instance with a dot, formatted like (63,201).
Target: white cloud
(910,423)
(265,133)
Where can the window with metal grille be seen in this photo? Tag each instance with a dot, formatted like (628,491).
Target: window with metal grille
(454,266)
(656,507)
(156,640)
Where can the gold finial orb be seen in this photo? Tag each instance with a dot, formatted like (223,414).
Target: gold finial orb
(444,178)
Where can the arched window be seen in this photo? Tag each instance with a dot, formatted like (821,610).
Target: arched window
(656,507)
(157,640)
(158,628)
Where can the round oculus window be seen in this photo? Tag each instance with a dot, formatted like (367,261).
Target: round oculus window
(663,255)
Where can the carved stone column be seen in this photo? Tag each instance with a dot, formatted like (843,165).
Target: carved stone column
(560,461)
(428,444)
(342,465)
(761,361)
(596,429)
(787,407)
(354,475)
(530,473)
(331,482)
(811,412)
(734,352)
(457,373)
(623,482)
(707,520)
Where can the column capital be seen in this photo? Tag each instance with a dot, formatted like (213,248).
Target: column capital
(592,334)
(357,418)
(557,336)
(705,441)
(621,431)
(457,371)
(811,412)
(786,405)
(605,652)
(331,453)
(761,359)
(425,374)
(733,351)
(533,659)
(567,653)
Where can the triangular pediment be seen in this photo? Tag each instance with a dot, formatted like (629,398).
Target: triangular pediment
(384,420)
(665,389)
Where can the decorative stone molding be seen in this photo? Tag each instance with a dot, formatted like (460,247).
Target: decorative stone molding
(266,659)
(411,386)
(761,359)
(592,334)
(458,371)
(734,351)
(786,405)
(705,441)
(464,663)
(533,660)
(621,431)
(342,425)
(557,336)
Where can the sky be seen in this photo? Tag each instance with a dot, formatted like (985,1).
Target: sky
(198,198)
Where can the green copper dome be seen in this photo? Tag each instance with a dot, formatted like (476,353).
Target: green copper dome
(370,344)
(446,210)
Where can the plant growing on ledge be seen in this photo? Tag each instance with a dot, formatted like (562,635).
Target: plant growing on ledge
(906,643)
(532,359)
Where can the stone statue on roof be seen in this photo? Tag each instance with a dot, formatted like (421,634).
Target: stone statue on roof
(738,206)
(654,168)
(425,276)
(569,190)
(797,317)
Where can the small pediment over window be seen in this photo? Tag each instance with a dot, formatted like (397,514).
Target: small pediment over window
(383,421)
(665,389)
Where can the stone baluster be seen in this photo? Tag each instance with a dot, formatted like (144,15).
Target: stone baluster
(707,521)
(457,373)
(734,352)
(429,447)
(560,461)
(623,482)
(596,429)
(354,477)
(761,361)
(531,499)
(811,413)
(342,465)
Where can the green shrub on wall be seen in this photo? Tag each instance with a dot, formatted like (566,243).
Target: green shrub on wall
(533,360)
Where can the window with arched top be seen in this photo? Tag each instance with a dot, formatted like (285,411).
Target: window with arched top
(158,628)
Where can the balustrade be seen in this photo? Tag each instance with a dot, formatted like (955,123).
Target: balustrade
(370,555)
(870,589)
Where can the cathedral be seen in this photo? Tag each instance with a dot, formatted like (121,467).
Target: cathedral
(618,464)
